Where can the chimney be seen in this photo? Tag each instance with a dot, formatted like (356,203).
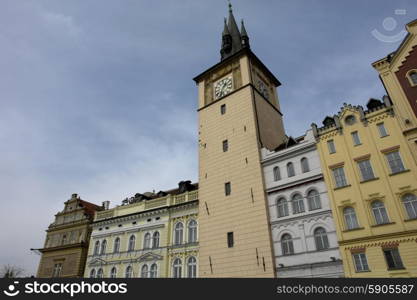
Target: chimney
(106,205)
(74,196)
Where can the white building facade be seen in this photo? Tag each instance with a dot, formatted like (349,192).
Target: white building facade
(302,227)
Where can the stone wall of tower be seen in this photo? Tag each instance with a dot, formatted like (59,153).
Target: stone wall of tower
(244,211)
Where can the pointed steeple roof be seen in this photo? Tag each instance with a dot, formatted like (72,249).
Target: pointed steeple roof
(244,35)
(231,38)
(226,29)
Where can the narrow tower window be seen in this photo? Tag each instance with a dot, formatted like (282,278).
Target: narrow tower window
(227,188)
(230,241)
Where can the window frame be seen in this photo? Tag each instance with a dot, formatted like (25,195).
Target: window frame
(177,268)
(363,262)
(230,239)
(350,218)
(284,205)
(396,258)
(343,180)
(315,199)
(192,266)
(227,188)
(383,132)
(331,146)
(192,231)
(290,169)
(365,169)
(379,213)
(412,204)
(277,173)
(305,167)
(321,239)
(396,164)
(287,244)
(297,203)
(178,233)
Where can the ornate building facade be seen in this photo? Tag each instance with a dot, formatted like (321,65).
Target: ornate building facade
(372,183)
(67,239)
(239,113)
(303,231)
(149,236)
(398,73)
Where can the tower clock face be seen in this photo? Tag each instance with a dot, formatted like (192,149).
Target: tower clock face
(223,87)
(263,89)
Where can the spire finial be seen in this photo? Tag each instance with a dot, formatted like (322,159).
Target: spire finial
(230,6)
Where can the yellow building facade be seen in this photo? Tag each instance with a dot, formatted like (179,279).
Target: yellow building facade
(372,184)
(148,236)
(398,72)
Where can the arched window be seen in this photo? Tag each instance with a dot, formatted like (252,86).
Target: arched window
(147,241)
(320,237)
(277,174)
(113,272)
(290,169)
(297,204)
(177,268)
(410,205)
(192,231)
(313,199)
(192,267)
(379,212)
(350,218)
(93,273)
(154,271)
(178,233)
(103,247)
(282,207)
(100,273)
(116,247)
(97,248)
(413,77)
(144,271)
(129,272)
(155,240)
(304,165)
(287,245)
(131,245)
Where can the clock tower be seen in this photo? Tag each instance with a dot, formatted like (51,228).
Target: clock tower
(239,114)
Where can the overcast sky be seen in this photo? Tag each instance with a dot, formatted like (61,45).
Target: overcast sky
(97,97)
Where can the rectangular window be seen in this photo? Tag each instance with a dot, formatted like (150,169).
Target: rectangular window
(361,263)
(366,170)
(382,130)
(227,188)
(225,146)
(223,109)
(394,161)
(331,146)
(356,139)
(57,270)
(339,177)
(393,258)
(230,241)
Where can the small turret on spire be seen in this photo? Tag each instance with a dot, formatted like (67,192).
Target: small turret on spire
(244,35)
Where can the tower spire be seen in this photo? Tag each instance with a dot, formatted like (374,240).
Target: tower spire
(244,35)
(232,40)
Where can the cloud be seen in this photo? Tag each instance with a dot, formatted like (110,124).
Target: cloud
(98,99)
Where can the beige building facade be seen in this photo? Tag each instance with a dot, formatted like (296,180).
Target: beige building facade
(65,249)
